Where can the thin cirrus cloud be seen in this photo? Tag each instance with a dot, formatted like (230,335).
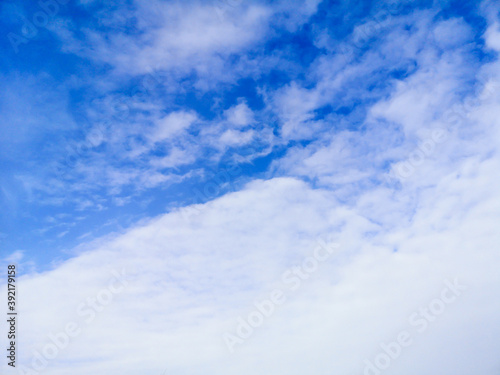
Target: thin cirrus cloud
(388,149)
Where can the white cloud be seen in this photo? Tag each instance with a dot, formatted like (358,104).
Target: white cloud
(492,36)
(182,36)
(239,115)
(294,106)
(413,109)
(236,138)
(172,125)
(452,33)
(176,39)
(175,158)
(188,281)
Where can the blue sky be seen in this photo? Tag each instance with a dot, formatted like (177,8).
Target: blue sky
(138,132)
